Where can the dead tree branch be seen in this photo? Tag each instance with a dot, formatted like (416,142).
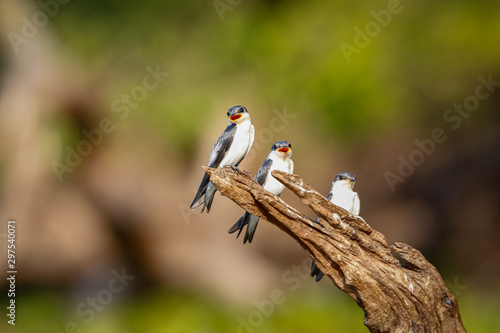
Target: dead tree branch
(405,295)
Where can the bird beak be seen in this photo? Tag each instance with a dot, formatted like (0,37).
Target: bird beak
(284,150)
(235,117)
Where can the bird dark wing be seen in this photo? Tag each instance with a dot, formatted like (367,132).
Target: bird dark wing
(329,196)
(262,174)
(219,150)
(222,145)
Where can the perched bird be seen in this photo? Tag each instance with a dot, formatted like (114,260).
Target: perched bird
(230,149)
(343,196)
(278,159)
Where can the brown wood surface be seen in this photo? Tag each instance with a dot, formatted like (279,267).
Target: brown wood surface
(397,288)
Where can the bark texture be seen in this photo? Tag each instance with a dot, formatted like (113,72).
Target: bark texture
(397,288)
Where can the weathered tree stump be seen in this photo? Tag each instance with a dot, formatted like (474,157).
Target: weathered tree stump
(396,295)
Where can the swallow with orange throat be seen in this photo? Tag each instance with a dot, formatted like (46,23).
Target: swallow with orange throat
(229,150)
(278,159)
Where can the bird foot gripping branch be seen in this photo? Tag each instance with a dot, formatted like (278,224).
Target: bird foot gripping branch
(395,296)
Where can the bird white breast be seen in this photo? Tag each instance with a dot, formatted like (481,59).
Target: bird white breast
(344,197)
(272,185)
(241,143)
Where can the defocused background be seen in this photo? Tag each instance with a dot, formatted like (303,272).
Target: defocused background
(109,109)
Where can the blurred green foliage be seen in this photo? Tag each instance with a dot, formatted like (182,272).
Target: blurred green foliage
(276,53)
(167,311)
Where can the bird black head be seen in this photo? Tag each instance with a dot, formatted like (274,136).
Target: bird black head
(282,146)
(345,176)
(236,112)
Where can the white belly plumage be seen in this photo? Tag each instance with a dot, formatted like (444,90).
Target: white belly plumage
(272,185)
(240,145)
(346,199)
(345,202)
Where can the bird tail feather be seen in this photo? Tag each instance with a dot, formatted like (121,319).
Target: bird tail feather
(209,197)
(251,227)
(238,226)
(199,198)
(315,271)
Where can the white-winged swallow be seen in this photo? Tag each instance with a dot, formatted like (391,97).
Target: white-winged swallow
(343,196)
(279,158)
(229,150)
